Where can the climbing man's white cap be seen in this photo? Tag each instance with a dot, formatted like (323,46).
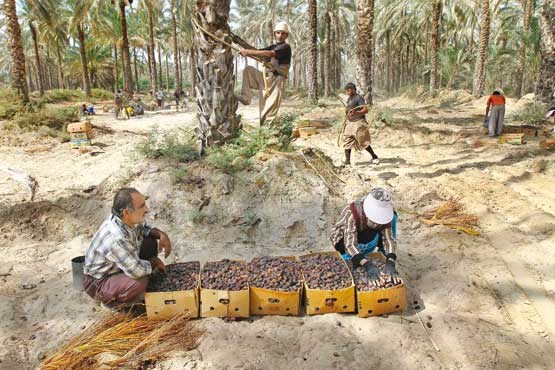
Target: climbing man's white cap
(281,26)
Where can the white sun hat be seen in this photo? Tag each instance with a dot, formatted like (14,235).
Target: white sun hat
(377,206)
(281,26)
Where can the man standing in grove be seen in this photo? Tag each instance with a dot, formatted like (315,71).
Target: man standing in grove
(497,118)
(272,82)
(355,133)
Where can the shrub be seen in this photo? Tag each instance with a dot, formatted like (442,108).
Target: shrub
(532,113)
(382,115)
(169,145)
(61,95)
(102,94)
(9,103)
(236,155)
(178,174)
(52,118)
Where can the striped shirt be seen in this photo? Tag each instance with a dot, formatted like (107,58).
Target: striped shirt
(345,228)
(115,248)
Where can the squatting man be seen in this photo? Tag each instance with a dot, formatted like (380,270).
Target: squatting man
(124,252)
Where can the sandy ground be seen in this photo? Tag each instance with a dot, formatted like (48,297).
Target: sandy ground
(488,300)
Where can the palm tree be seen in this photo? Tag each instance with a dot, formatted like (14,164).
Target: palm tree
(545,89)
(150,7)
(526,17)
(436,19)
(365,50)
(173,10)
(78,11)
(480,70)
(214,75)
(16,50)
(313,51)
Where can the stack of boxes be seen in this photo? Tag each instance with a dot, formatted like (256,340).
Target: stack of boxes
(80,134)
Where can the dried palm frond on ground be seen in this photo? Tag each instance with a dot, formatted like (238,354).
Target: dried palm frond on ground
(452,215)
(134,340)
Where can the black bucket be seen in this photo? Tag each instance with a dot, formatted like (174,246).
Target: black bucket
(77,264)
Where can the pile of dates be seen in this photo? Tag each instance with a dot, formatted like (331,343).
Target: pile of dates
(179,276)
(325,272)
(275,273)
(362,283)
(225,275)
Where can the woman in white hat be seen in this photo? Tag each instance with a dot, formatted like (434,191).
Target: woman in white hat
(364,226)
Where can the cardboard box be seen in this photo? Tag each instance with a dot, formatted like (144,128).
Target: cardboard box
(515,139)
(548,144)
(74,136)
(79,143)
(79,127)
(381,301)
(224,303)
(165,305)
(307,131)
(274,302)
(319,301)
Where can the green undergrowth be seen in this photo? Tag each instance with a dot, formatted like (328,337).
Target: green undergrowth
(51,118)
(533,113)
(173,145)
(236,155)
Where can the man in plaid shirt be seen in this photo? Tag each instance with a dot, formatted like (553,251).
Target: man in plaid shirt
(123,252)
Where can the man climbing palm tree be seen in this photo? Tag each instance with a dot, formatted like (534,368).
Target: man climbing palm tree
(271,83)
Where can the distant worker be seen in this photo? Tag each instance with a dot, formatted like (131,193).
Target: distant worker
(177,97)
(118,101)
(160,98)
(368,226)
(84,110)
(355,133)
(497,118)
(270,83)
(123,253)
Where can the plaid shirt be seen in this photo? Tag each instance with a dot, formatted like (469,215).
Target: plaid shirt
(345,228)
(115,248)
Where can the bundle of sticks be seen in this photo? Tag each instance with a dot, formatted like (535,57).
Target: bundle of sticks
(452,215)
(131,340)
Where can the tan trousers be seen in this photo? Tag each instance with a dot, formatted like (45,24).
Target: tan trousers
(253,79)
(356,135)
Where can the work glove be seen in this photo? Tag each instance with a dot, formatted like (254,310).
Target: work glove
(390,271)
(373,272)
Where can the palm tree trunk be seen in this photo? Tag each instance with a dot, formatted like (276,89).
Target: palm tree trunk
(84,64)
(125,55)
(19,81)
(40,79)
(527,15)
(175,49)
(480,70)
(327,72)
(216,102)
(136,69)
(167,73)
(365,9)
(116,72)
(388,73)
(545,84)
(192,69)
(160,66)
(313,51)
(322,68)
(436,19)
(151,50)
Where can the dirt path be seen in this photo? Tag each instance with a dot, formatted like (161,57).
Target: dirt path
(488,300)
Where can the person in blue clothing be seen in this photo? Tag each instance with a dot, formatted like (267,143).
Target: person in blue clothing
(366,226)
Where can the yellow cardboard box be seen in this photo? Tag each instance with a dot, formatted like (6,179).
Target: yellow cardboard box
(381,301)
(274,302)
(79,127)
(79,143)
(224,303)
(320,301)
(165,305)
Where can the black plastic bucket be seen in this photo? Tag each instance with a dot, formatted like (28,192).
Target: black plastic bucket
(77,271)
